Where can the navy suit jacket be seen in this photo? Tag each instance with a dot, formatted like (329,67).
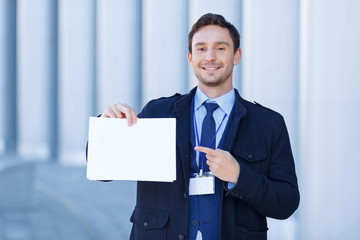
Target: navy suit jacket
(267,184)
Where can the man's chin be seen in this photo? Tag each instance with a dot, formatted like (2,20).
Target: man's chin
(211,83)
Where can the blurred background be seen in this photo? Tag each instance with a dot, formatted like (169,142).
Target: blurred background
(62,61)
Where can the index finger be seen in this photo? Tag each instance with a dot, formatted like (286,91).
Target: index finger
(205,150)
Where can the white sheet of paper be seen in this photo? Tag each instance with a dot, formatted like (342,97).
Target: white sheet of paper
(146,151)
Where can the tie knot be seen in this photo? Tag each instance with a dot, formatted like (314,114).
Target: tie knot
(210,107)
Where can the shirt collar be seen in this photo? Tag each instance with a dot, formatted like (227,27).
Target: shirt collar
(225,102)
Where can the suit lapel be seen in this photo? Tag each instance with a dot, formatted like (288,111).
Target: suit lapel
(182,109)
(239,112)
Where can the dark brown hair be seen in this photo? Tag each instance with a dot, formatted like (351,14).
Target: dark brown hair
(214,19)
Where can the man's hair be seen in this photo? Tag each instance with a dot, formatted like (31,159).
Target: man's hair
(214,19)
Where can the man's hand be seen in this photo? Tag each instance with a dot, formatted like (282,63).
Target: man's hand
(120,110)
(221,163)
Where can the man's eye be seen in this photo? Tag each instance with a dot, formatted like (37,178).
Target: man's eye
(221,48)
(201,49)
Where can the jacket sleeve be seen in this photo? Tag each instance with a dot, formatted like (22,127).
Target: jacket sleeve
(273,194)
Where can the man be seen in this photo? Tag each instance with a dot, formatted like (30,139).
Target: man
(234,162)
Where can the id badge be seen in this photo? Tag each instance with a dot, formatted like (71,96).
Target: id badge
(202,185)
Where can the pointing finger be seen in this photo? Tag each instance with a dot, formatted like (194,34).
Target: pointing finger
(205,150)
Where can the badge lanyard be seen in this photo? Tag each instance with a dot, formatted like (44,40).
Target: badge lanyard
(198,140)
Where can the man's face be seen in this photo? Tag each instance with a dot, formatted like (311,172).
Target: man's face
(213,56)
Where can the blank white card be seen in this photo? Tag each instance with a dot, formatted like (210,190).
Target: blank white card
(146,151)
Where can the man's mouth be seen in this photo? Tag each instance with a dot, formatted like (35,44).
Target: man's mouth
(210,68)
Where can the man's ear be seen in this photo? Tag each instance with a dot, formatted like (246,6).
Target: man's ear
(237,56)
(189,57)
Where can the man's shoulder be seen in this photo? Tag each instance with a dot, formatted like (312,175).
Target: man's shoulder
(259,111)
(171,98)
(161,107)
(261,117)
(164,101)
(265,110)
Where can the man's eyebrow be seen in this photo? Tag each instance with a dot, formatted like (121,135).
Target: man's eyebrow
(217,43)
(199,43)
(222,42)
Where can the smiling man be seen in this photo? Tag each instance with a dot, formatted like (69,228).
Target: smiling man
(213,57)
(234,162)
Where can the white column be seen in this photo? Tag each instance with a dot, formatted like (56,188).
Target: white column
(164,48)
(232,11)
(118,53)
(7,76)
(330,117)
(270,71)
(35,66)
(76,76)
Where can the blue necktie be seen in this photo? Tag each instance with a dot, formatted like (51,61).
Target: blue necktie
(208,132)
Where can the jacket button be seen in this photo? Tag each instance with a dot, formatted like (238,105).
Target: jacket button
(250,156)
(181,237)
(146,224)
(194,222)
(186,155)
(185,196)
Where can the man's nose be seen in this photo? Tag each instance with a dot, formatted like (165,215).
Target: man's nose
(210,55)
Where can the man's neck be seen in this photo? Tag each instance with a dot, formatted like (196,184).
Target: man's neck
(214,92)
